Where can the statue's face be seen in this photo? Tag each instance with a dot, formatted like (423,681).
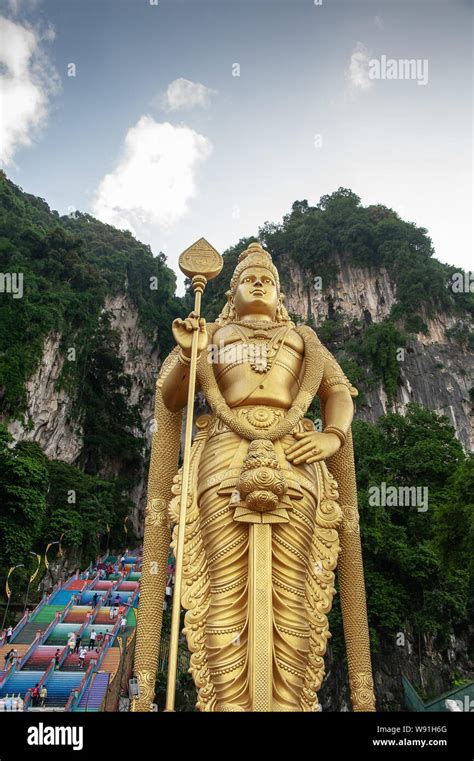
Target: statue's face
(256,292)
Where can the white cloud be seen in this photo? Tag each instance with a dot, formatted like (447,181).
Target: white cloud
(377,21)
(357,73)
(155,178)
(182,93)
(27,81)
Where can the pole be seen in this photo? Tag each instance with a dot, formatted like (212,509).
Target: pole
(8,590)
(6,611)
(27,593)
(198,283)
(32,578)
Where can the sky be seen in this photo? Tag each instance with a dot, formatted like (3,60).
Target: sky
(177,119)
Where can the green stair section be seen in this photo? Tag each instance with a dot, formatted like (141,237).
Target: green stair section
(47,613)
(40,622)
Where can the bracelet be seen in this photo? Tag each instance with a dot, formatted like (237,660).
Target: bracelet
(183,358)
(337,432)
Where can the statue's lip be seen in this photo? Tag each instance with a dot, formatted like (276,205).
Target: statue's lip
(258,290)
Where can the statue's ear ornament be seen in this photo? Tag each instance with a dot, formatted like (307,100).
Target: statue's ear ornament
(228,312)
(282,314)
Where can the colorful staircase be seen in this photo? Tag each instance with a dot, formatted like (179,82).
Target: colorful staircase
(59,687)
(70,687)
(20,682)
(40,658)
(93,697)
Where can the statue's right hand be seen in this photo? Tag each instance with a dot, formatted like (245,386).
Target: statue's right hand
(183,332)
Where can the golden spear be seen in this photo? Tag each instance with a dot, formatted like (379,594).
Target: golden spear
(200,262)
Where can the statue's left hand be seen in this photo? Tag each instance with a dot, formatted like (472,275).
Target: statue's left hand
(312,446)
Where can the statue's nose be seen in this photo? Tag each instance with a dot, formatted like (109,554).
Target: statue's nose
(257,282)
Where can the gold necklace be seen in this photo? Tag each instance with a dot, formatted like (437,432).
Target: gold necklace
(258,324)
(262,346)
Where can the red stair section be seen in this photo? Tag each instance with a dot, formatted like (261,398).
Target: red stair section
(78,584)
(101,585)
(128,586)
(77,615)
(72,661)
(41,657)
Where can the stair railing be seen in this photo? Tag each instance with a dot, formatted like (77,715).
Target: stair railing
(8,672)
(21,623)
(44,635)
(44,679)
(63,613)
(30,650)
(109,640)
(95,610)
(40,605)
(77,692)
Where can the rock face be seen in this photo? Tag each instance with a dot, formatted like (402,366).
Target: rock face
(141,364)
(49,420)
(358,293)
(428,666)
(435,371)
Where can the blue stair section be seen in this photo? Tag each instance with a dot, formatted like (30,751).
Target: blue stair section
(20,682)
(94,696)
(59,687)
(86,597)
(63,596)
(101,666)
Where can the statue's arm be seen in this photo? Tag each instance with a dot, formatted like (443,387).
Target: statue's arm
(176,383)
(175,386)
(338,407)
(336,392)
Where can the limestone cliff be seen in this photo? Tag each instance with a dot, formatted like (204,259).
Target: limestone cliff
(53,420)
(436,370)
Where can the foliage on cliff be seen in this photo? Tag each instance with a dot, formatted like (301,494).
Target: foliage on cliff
(69,266)
(418,561)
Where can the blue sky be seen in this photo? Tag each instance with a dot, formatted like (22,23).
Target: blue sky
(154,132)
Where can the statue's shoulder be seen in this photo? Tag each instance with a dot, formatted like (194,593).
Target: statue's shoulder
(308,335)
(295,341)
(333,374)
(224,333)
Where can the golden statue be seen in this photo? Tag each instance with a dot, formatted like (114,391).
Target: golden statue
(271,508)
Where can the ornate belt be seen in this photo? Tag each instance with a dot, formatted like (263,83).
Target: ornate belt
(259,417)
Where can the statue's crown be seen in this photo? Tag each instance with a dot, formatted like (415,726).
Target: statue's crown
(254,256)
